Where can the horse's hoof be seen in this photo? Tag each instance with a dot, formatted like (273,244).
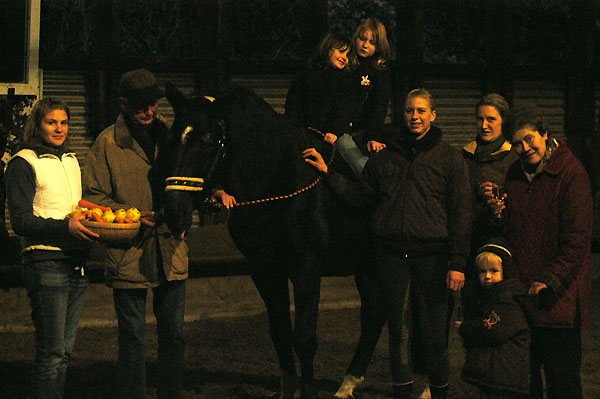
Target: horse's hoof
(309,391)
(348,385)
(288,385)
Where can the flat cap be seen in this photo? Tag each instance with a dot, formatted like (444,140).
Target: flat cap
(139,86)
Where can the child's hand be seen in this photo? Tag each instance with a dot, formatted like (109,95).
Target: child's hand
(222,198)
(330,138)
(376,146)
(313,157)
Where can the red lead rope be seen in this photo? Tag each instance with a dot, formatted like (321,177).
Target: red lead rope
(290,195)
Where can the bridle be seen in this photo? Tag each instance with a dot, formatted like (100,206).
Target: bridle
(195,184)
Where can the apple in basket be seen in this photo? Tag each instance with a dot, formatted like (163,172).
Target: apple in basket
(133,214)
(108,216)
(120,215)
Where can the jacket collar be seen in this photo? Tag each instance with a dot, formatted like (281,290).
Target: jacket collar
(122,134)
(41,150)
(470,148)
(124,139)
(559,159)
(405,142)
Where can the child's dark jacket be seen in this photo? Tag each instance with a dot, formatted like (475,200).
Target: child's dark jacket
(496,335)
(311,100)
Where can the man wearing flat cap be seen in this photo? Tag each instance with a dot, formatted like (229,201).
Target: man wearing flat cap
(121,172)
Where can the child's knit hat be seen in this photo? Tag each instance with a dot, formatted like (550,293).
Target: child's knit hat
(500,247)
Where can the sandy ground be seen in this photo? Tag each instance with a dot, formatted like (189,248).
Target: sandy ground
(229,353)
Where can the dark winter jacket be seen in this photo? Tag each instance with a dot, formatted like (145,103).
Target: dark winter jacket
(483,168)
(549,225)
(496,334)
(367,98)
(311,100)
(420,194)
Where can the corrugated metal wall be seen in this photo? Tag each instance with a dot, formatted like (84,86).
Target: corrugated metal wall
(456,100)
(70,87)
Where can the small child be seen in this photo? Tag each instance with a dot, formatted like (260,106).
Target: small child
(496,331)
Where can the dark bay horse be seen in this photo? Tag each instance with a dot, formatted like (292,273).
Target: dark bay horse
(234,140)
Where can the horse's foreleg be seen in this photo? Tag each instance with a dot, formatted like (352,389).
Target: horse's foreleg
(306,301)
(273,288)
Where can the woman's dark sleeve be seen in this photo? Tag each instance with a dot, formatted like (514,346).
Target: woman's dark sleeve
(20,191)
(361,193)
(575,220)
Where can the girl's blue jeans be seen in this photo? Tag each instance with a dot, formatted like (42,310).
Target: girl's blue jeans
(56,292)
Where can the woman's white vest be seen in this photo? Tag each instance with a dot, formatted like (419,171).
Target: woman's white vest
(57,192)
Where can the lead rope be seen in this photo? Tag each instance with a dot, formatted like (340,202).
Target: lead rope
(313,184)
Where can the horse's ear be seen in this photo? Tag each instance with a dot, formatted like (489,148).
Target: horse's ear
(175,97)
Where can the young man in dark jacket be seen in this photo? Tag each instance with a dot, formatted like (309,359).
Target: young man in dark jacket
(418,188)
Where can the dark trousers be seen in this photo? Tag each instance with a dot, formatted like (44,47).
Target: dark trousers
(168,305)
(372,320)
(397,275)
(558,350)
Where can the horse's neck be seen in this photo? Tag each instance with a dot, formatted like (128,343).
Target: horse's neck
(268,161)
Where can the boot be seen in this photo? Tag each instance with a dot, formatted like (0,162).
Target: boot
(403,391)
(288,384)
(348,385)
(438,392)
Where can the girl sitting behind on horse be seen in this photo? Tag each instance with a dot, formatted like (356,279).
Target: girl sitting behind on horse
(370,82)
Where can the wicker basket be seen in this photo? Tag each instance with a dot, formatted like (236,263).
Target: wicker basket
(113,233)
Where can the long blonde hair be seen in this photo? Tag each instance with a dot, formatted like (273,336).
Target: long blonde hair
(382,46)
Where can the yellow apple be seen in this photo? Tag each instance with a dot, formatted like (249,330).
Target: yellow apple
(133,214)
(120,214)
(108,216)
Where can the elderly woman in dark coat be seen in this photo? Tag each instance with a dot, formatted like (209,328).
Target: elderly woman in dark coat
(548,221)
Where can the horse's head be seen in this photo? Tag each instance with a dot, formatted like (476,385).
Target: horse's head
(196,144)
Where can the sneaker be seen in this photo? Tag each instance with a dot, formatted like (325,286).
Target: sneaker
(348,385)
